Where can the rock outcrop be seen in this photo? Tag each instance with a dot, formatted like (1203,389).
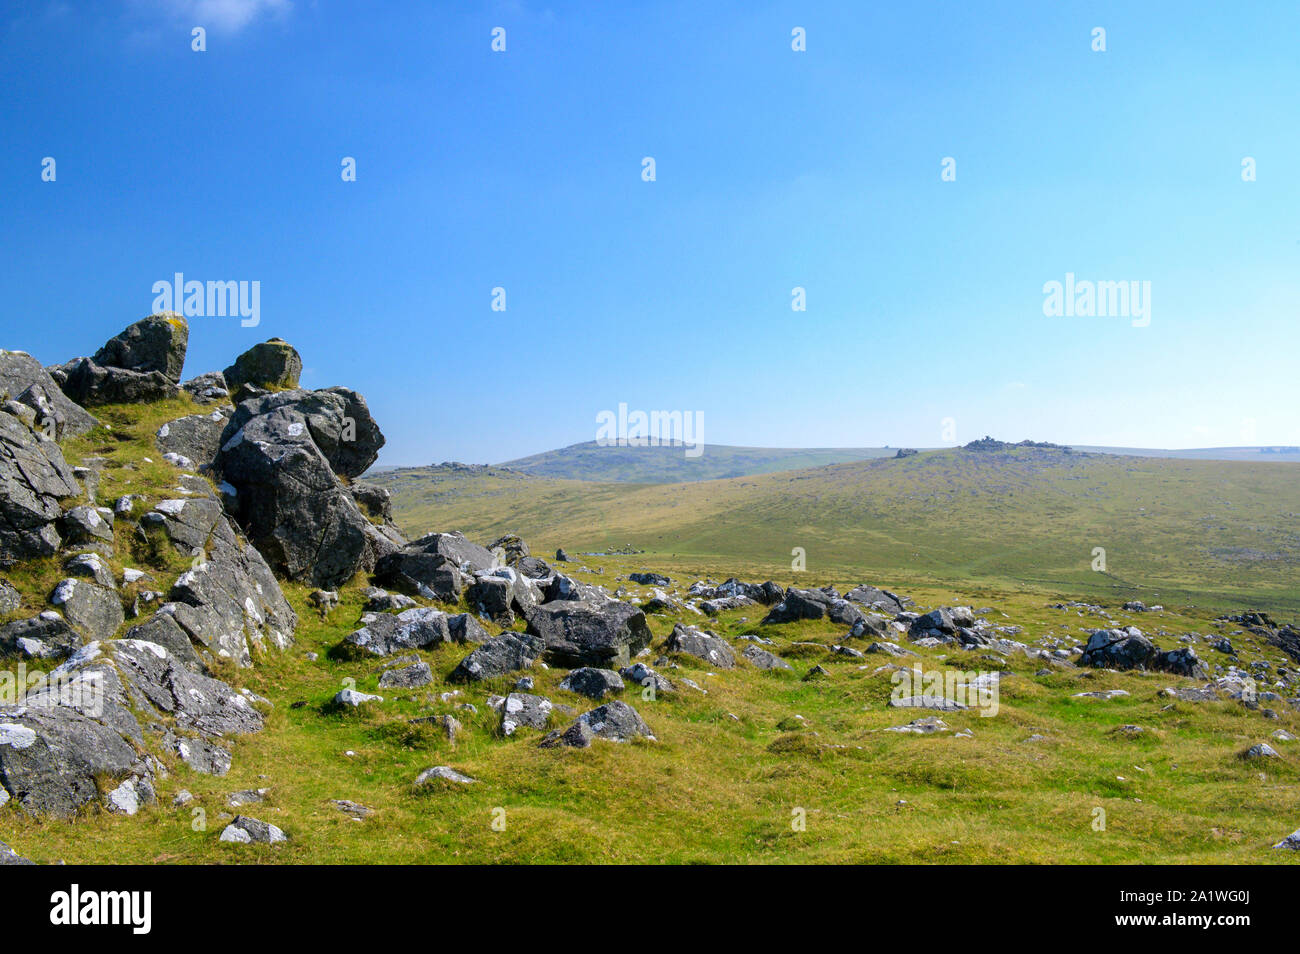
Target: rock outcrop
(286,494)
(27,383)
(34,478)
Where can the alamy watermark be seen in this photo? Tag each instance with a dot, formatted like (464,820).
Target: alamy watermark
(39,690)
(1102,299)
(936,688)
(651,429)
(195,299)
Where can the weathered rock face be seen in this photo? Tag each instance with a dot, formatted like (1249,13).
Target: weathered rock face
(206,388)
(34,477)
(406,677)
(585,633)
(614,722)
(77,731)
(701,645)
(155,678)
(373,500)
(511,547)
(50,758)
(271,364)
(93,610)
(89,384)
(229,602)
(23,378)
(593,683)
(767,593)
(197,438)
(156,343)
(287,498)
(46,636)
(434,566)
(524,709)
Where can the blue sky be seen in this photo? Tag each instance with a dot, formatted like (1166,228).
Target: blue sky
(775,169)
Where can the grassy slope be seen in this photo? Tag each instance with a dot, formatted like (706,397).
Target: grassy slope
(729,767)
(1214,533)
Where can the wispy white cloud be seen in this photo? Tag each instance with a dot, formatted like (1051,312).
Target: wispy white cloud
(224,16)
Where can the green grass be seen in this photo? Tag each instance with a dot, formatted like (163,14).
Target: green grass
(725,775)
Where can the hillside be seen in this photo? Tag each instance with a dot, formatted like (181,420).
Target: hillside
(664,464)
(1200,531)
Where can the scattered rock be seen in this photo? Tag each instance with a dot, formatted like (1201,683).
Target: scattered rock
(593,683)
(694,642)
(245,830)
(441,773)
(614,721)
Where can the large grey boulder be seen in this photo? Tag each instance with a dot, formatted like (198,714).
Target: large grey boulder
(522,709)
(695,642)
(614,721)
(417,628)
(286,496)
(592,682)
(762,659)
(767,593)
(798,605)
(156,343)
(34,478)
(436,566)
(89,383)
(586,633)
(91,526)
(406,677)
(498,656)
(24,379)
(273,364)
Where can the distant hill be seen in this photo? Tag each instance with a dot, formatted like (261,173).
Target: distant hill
(667,465)
(1023,518)
(1263,455)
